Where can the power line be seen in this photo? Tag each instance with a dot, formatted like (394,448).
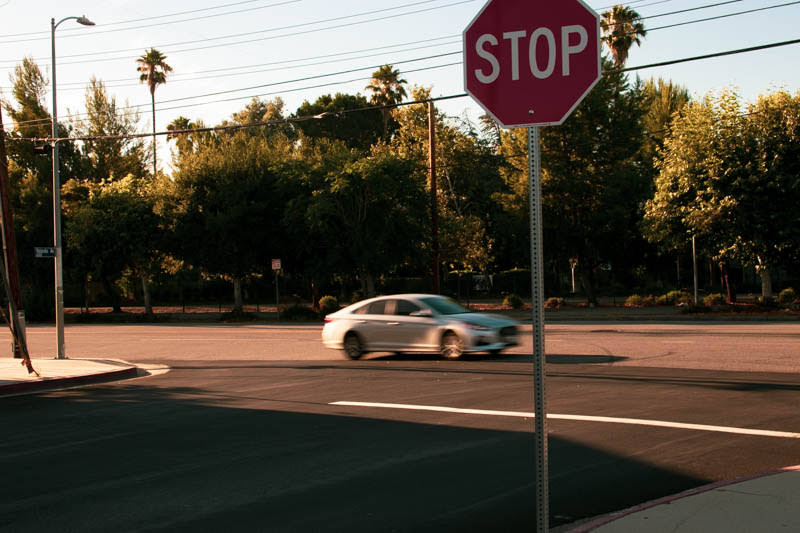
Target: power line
(724,16)
(151,18)
(461,95)
(247,41)
(312,64)
(281,68)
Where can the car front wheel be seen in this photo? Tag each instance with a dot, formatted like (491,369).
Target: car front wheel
(352,346)
(452,346)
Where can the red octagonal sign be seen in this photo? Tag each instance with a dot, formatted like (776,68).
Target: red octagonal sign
(531,62)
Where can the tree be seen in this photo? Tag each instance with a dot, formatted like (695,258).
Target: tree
(371,215)
(153,69)
(186,142)
(622,28)
(468,178)
(387,90)
(30,180)
(110,227)
(663,100)
(112,151)
(328,118)
(731,179)
(226,207)
(593,181)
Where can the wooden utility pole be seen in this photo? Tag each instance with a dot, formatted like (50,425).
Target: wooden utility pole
(9,240)
(8,266)
(434,200)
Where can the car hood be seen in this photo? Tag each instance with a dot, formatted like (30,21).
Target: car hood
(481,319)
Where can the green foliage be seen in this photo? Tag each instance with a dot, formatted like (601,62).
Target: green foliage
(593,181)
(513,301)
(730,179)
(111,155)
(328,304)
(714,298)
(359,130)
(370,214)
(675,298)
(554,303)
(787,296)
(635,300)
(109,227)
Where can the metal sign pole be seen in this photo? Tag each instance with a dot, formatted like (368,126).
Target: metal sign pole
(537,304)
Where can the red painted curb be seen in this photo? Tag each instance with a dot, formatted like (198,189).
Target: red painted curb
(73,381)
(611,517)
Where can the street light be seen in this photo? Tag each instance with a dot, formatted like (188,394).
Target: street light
(57,193)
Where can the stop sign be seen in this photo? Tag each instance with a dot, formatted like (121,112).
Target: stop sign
(531,62)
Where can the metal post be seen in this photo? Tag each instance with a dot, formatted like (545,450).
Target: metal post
(277,296)
(59,279)
(537,304)
(694,268)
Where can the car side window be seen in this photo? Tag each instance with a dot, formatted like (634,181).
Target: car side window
(404,307)
(377,308)
(361,310)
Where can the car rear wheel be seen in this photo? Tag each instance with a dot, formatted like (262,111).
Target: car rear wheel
(352,346)
(452,346)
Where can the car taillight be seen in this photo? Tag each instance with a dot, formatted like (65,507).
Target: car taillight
(328,319)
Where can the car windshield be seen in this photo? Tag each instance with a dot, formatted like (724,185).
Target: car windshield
(444,306)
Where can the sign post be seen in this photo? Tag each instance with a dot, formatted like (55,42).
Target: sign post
(276,267)
(529,63)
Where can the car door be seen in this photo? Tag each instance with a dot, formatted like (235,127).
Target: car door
(374,328)
(409,331)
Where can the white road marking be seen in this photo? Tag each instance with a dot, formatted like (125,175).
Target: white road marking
(585,418)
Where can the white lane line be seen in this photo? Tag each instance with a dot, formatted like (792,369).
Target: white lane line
(584,418)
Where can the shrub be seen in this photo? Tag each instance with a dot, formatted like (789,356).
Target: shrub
(553,303)
(634,300)
(787,296)
(675,298)
(513,301)
(714,298)
(299,313)
(328,304)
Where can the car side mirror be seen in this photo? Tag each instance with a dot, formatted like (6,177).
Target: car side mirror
(422,312)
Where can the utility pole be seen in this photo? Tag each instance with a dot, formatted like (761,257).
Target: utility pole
(10,248)
(434,201)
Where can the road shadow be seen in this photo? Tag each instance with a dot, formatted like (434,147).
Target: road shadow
(132,457)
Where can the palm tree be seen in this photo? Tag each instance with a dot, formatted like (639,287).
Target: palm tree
(387,89)
(622,28)
(153,69)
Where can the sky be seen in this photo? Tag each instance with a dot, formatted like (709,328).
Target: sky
(225,52)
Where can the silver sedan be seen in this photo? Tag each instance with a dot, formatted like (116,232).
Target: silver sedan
(416,323)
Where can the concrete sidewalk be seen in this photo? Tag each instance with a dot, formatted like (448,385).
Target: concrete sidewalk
(763,502)
(60,374)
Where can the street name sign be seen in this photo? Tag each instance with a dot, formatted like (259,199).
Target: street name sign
(47,252)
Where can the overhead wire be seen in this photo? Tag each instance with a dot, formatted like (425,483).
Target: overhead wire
(155,17)
(401,104)
(453,53)
(247,41)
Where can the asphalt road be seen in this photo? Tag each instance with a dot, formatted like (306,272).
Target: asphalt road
(259,428)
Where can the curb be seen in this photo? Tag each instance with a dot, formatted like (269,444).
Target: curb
(595,523)
(67,382)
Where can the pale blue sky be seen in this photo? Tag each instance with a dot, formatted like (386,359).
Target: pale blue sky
(276,41)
